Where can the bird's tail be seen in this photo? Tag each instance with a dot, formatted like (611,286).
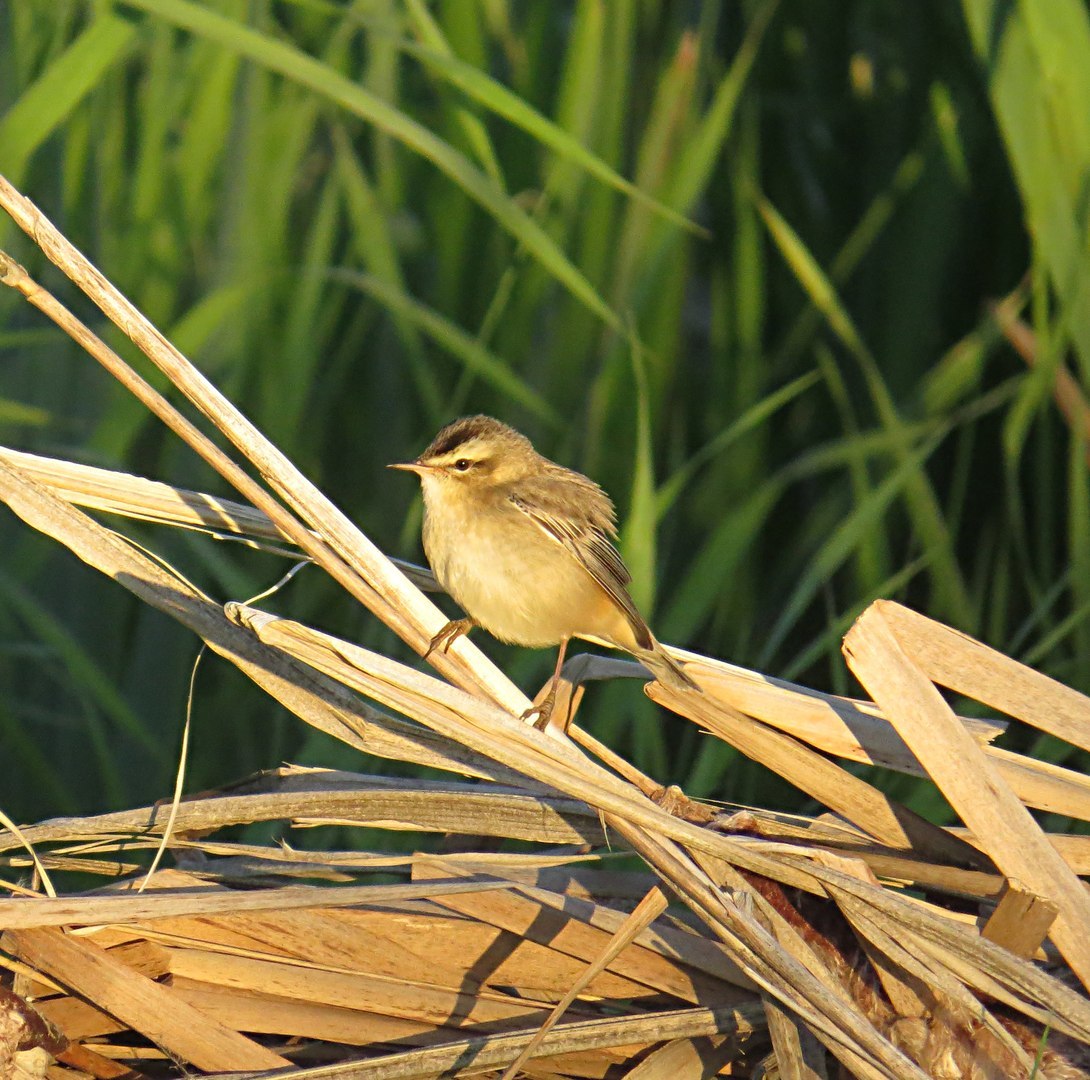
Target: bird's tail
(665,668)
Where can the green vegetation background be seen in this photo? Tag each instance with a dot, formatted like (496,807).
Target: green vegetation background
(362,219)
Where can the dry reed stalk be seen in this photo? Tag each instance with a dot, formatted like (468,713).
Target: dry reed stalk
(853,730)
(153,501)
(798,926)
(319,702)
(783,985)
(1066,390)
(344,552)
(875,649)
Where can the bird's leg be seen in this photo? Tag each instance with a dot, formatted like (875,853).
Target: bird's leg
(449,635)
(545,709)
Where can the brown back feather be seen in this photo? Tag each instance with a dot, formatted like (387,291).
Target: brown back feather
(578,514)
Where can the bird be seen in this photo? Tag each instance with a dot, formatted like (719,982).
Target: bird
(526,548)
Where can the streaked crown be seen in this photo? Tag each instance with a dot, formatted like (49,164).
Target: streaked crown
(478,444)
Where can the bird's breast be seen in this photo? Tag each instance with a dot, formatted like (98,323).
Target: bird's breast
(519,584)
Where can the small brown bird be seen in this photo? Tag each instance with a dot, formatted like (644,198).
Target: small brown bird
(525,547)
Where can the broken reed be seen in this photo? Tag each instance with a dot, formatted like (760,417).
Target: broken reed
(748,894)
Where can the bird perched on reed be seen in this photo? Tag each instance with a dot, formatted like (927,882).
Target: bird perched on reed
(525,547)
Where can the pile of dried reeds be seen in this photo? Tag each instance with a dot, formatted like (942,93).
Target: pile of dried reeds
(744,944)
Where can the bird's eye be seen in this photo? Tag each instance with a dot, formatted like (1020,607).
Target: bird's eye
(463,465)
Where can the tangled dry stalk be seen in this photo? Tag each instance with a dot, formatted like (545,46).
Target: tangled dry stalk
(746,944)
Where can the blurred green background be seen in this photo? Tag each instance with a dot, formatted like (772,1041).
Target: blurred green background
(738,261)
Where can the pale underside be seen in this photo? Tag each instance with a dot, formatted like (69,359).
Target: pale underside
(517,580)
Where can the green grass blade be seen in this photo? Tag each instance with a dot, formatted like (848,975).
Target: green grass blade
(1079,541)
(297,66)
(1045,44)
(372,240)
(861,240)
(26,756)
(872,555)
(496,97)
(927,518)
(638,534)
(710,572)
(700,155)
(45,104)
(18,412)
(89,681)
(436,45)
(845,539)
(197,326)
(456,341)
(750,420)
(828,641)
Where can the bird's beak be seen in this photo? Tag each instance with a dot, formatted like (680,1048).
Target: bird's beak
(410,466)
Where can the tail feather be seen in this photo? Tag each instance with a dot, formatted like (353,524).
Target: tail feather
(665,668)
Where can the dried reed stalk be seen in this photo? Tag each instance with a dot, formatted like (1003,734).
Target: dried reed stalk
(788,923)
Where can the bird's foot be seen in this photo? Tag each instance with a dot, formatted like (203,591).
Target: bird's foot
(543,711)
(449,635)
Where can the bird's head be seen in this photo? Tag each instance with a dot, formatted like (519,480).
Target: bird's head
(477,453)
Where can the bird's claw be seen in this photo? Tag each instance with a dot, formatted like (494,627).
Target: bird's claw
(542,721)
(543,712)
(449,635)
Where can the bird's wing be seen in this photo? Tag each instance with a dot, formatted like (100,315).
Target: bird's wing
(585,537)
